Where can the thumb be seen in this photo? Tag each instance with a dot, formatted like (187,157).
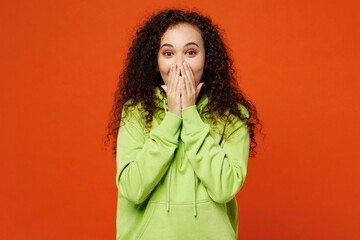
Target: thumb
(164,87)
(198,88)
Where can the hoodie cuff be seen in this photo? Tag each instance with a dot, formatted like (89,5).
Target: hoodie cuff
(170,126)
(191,119)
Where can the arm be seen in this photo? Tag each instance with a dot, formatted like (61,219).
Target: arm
(142,163)
(222,169)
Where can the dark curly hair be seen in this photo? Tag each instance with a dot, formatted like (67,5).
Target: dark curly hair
(140,78)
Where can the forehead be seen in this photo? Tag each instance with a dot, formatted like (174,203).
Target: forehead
(181,33)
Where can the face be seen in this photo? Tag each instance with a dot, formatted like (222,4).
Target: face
(181,43)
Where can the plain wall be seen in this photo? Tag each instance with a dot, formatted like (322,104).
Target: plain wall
(296,60)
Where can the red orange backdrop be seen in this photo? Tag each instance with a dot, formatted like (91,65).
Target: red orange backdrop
(297,60)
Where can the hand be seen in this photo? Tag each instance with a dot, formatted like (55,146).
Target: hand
(173,90)
(189,92)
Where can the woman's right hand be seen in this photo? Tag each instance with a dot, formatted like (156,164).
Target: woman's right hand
(173,90)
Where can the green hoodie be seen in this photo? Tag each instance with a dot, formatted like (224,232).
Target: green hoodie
(179,181)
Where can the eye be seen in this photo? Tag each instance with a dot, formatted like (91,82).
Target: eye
(165,53)
(191,51)
(168,53)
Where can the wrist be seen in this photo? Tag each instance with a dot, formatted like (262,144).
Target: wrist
(175,111)
(187,104)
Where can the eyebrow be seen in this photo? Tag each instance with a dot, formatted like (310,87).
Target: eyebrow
(169,45)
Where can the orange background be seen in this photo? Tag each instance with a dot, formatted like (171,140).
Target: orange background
(297,60)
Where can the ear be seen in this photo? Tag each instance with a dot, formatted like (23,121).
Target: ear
(164,87)
(198,88)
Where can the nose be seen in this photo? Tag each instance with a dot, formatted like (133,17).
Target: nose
(179,60)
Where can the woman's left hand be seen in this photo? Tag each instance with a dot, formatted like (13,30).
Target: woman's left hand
(189,92)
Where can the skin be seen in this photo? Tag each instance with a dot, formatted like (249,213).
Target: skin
(181,60)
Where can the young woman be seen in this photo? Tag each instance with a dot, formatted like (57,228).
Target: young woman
(183,133)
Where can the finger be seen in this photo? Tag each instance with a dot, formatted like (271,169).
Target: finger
(164,87)
(184,81)
(175,81)
(190,72)
(183,87)
(188,83)
(189,78)
(177,73)
(177,85)
(171,75)
(187,70)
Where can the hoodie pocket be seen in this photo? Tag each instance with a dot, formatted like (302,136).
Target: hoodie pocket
(211,222)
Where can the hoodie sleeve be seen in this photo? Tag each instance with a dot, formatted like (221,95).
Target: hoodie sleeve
(141,163)
(222,169)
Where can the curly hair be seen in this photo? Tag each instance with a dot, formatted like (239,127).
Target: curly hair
(140,78)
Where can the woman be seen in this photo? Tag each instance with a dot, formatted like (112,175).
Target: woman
(184,140)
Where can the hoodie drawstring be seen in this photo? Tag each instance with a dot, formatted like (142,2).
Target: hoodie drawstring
(195,181)
(195,200)
(168,203)
(169,185)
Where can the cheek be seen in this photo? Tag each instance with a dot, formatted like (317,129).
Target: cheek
(164,68)
(197,70)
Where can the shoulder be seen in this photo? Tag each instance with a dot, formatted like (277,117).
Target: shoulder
(243,110)
(131,112)
(234,122)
